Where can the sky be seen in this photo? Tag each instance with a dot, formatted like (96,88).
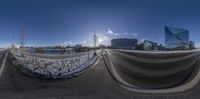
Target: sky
(68,22)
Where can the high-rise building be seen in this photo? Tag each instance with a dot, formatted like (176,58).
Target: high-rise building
(176,38)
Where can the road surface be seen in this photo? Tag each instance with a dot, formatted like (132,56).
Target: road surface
(154,70)
(95,83)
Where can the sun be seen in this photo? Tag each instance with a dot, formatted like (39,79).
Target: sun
(100,40)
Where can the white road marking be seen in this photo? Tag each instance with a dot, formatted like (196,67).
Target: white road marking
(3,64)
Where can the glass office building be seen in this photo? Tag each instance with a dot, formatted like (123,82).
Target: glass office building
(124,43)
(176,38)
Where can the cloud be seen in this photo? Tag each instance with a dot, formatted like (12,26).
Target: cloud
(105,37)
(61,44)
(84,42)
(88,42)
(17,45)
(135,35)
(125,34)
(117,34)
(109,31)
(68,43)
(143,40)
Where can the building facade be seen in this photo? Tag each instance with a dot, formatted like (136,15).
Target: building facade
(124,43)
(191,46)
(148,46)
(176,38)
(161,47)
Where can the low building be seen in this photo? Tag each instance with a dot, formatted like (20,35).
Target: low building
(79,48)
(148,45)
(191,45)
(124,43)
(161,47)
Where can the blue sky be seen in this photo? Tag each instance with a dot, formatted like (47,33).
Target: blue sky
(55,22)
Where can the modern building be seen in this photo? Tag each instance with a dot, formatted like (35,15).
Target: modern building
(148,45)
(161,47)
(151,45)
(124,43)
(79,48)
(176,38)
(191,46)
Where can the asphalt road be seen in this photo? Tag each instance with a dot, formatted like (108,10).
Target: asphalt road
(154,70)
(95,83)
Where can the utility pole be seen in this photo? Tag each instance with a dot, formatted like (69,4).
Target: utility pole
(95,41)
(22,38)
(13,43)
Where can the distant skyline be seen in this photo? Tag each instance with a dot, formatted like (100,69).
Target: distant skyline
(62,22)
